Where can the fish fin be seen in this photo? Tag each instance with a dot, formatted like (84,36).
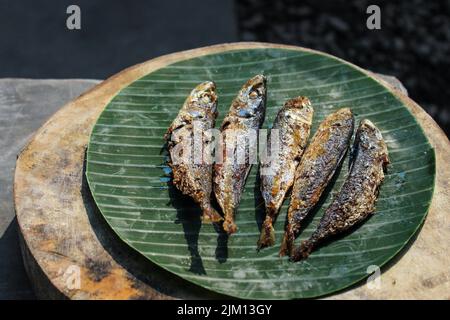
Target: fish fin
(267,237)
(179,122)
(225,124)
(285,246)
(288,240)
(175,125)
(303,251)
(210,215)
(229,226)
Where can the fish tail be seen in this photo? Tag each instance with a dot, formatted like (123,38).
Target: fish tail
(210,215)
(267,237)
(228,225)
(303,251)
(285,248)
(288,241)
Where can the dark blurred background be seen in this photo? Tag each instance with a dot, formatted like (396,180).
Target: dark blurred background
(412,45)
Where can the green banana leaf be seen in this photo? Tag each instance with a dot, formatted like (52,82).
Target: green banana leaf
(130,181)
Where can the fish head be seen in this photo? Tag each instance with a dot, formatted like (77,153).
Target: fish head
(371,137)
(299,109)
(344,114)
(204,98)
(367,125)
(341,117)
(370,131)
(252,97)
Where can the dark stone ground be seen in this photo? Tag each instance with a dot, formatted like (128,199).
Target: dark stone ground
(35,42)
(412,45)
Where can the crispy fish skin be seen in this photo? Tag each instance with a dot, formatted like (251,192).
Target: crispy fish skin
(357,197)
(294,124)
(194,178)
(317,167)
(246,113)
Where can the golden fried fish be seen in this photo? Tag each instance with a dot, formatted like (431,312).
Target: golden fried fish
(356,199)
(317,167)
(293,123)
(192,174)
(244,118)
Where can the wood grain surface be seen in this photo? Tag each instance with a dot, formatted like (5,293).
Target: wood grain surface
(64,235)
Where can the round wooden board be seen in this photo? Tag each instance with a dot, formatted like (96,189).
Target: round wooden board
(70,252)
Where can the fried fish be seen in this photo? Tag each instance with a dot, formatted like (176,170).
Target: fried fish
(356,199)
(317,167)
(193,175)
(244,118)
(293,123)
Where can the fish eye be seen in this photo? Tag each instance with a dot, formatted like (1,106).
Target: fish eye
(206,98)
(253,94)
